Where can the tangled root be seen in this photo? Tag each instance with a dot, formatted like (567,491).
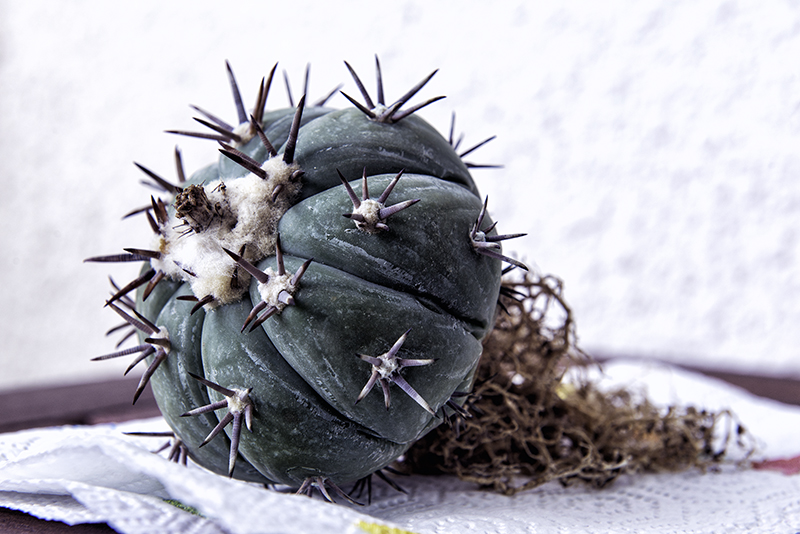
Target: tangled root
(527,426)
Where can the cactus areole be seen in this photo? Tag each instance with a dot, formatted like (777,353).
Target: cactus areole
(326,252)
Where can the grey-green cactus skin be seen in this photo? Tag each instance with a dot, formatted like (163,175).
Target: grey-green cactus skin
(424,255)
(176,392)
(296,434)
(351,141)
(384,322)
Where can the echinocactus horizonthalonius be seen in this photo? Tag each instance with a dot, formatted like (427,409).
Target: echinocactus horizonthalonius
(326,252)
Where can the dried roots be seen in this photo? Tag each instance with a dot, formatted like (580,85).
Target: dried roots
(527,426)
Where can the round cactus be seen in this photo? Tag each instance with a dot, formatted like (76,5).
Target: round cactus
(276,297)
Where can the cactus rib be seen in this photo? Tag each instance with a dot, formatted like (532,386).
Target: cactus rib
(386,368)
(370,215)
(239,405)
(489,245)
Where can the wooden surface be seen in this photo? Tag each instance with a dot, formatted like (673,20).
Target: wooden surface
(104,402)
(14,522)
(785,390)
(81,404)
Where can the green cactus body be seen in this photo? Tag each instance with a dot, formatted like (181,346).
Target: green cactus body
(359,324)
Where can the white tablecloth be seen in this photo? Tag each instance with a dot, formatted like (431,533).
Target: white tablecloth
(96,474)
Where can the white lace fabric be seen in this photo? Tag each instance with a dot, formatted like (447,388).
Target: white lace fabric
(97,474)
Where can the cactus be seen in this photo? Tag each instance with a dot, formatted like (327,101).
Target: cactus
(275,298)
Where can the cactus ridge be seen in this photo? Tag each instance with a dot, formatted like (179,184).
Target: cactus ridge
(456,143)
(489,245)
(238,404)
(386,368)
(178,451)
(288,360)
(157,345)
(381,112)
(224,132)
(370,215)
(277,289)
(321,484)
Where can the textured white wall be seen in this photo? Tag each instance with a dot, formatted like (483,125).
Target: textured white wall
(649,151)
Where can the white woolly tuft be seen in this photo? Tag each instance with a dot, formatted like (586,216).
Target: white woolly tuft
(370,210)
(272,289)
(250,218)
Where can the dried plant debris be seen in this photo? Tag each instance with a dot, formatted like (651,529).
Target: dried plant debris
(525,426)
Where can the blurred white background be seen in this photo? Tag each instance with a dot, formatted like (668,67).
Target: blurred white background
(650,151)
